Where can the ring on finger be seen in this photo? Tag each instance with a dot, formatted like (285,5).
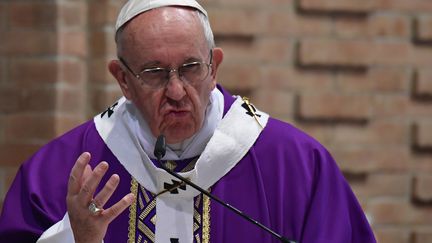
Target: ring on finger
(94,209)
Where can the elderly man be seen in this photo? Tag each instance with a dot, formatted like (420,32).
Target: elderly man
(166,69)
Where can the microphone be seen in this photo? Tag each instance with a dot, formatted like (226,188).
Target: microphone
(159,152)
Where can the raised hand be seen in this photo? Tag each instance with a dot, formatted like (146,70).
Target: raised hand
(88,226)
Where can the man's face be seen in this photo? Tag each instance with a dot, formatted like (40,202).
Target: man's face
(166,38)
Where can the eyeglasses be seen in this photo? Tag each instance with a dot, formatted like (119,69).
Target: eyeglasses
(158,77)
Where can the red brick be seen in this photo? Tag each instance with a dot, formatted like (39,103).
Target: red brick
(281,22)
(38,100)
(344,6)
(103,12)
(360,159)
(32,15)
(389,25)
(7,174)
(72,71)
(99,73)
(353,53)
(423,31)
(9,99)
(334,106)
(15,154)
(412,6)
(377,132)
(375,26)
(423,83)
(421,56)
(73,43)
(21,127)
(239,76)
(278,103)
(422,236)
(3,17)
(422,189)
(30,72)
(285,77)
(249,3)
(423,135)
(28,43)
(233,21)
(101,43)
(274,50)
(398,212)
(392,235)
(378,79)
(398,106)
(71,101)
(64,123)
(383,185)
(72,14)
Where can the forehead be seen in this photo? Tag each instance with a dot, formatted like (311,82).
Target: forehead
(163,30)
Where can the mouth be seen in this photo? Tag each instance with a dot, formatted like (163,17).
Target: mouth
(177,114)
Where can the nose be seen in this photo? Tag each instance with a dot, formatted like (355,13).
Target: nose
(175,88)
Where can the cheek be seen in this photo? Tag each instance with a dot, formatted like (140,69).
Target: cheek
(149,104)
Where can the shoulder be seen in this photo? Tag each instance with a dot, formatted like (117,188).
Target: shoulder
(290,149)
(63,150)
(285,135)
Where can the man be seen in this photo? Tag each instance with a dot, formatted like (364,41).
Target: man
(167,72)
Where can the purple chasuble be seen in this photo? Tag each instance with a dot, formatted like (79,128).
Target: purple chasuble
(287,181)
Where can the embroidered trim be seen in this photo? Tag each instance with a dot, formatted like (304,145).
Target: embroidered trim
(206,219)
(132,213)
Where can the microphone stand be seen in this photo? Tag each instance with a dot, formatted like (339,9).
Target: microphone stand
(159,152)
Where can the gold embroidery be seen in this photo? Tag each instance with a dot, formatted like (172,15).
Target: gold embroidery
(143,228)
(141,203)
(197,216)
(171,165)
(252,110)
(147,199)
(148,209)
(153,219)
(206,219)
(197,238)
(132,213)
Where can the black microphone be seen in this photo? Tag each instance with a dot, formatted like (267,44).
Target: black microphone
(159,152)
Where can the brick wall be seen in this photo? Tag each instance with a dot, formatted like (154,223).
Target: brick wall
(354,74)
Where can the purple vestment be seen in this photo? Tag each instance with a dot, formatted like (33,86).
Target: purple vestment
(287,181)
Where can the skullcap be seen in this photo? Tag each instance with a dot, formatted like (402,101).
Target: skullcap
(134,7)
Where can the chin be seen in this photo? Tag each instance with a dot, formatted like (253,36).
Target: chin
(177,134)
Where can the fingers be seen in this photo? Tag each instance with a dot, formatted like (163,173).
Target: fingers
(114,211)
(104,195)
(90,184)
(77,171)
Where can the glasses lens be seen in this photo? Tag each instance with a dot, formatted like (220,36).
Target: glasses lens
(193,72)
(154,77)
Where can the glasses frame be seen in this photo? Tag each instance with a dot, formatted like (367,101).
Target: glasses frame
(168,71)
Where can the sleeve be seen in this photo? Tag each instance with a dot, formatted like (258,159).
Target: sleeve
(36,199)
(334,214)
(59,232)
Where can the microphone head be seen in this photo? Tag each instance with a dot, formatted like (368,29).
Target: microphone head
(160,147)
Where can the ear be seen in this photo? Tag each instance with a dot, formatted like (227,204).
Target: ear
(217,60)
(114,66)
